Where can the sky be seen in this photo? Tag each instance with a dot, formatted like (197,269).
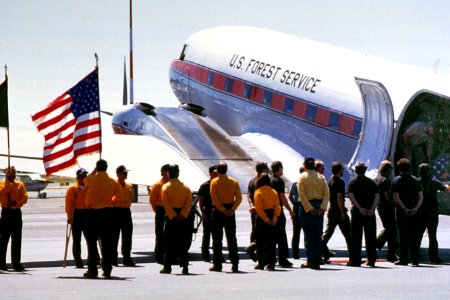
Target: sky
(49,45)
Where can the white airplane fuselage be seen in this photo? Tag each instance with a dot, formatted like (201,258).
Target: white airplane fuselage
(306,94)
(309,98)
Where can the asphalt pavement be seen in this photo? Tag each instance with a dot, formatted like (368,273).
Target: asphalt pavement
(45,278)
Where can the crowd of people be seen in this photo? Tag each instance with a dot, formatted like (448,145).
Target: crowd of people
(98,207)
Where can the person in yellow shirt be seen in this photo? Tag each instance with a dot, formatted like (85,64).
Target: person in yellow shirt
(13,195)
(102,192)
(314,196)
(226,197)
(268,210)
(177,200)
(160,213)
(76,214)
(122,219)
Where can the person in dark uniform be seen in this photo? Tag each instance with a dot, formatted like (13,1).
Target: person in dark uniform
(76,214)
(177,200)
(226,197)
(364,195)
(267,205)
(386,211)
(158,208)
(102,192)
(261,167)
(123,223)
(408,197)
(314,196)
(337,212)
(296,223)
(13,195)
(205,204)
(279,186)
(429,210)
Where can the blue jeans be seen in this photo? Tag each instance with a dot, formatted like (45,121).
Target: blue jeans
(312,228)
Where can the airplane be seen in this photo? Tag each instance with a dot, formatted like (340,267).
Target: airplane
(249,94)
(33,182)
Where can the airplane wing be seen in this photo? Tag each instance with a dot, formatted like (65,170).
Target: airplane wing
(199,140)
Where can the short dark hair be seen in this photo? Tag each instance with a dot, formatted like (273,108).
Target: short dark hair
(276,165)
(101,165)
(212,169)
(404,165)
(165,168)
(318,164)
(385,165)
(424,170)
(360,168)
(261,167)
(222,167)
(336,167)
(173,171)
(309,163)
(262,180)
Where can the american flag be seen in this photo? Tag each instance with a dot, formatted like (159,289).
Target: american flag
(71,125)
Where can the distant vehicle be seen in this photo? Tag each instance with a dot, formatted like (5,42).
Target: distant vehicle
(33,183)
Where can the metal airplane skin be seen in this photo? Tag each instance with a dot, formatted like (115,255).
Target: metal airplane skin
(252,94)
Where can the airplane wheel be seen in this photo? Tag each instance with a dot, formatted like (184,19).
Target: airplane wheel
(39,195)
(44,195)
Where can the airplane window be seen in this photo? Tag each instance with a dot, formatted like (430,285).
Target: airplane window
(357,128)
(289,105)
(311,113)
(210,78)
(268,98)
(228,84)
(334,120)
(247,91)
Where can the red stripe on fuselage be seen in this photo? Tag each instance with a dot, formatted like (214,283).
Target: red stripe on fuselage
(277,102)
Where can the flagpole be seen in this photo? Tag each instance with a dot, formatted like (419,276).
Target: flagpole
(7,128)
(131,54)
(99,109)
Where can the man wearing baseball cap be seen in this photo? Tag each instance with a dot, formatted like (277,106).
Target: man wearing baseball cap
(76,214)
(122,219)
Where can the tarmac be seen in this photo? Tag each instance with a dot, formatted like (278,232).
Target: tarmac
(44,278)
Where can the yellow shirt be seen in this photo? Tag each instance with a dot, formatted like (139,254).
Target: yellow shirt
(127,196)
(225,190)
(102,191)
(176,194)
(312,185)
(155,194)
(267,198)
(75,199)
(17,191)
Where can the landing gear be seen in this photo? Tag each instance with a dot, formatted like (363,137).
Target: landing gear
(42,195)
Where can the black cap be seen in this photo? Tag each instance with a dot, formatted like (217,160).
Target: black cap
(121,169)
(309,160)
(81,171)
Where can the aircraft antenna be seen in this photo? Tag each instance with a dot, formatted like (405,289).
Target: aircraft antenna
(131,54)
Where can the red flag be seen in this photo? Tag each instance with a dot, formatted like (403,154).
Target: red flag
(71,125)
